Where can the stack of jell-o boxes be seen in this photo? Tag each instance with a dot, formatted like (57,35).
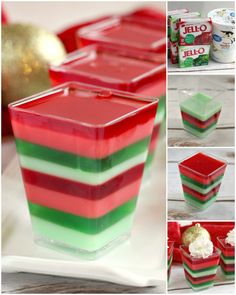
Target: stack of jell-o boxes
(189,37)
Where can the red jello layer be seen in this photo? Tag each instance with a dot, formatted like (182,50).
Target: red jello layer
(155,134)
(200,263)
(198,123)
(226,249)
(81,190)
(202,168)
(199,280)
(202,197)
(72,143)
(81,206)
(227,267)
(170,249)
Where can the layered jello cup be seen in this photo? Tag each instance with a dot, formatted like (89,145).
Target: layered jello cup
(200,112)
(126,70)
(199,272)
(201,177)
(127,32)
(82,151)
(170,250)
(227,258)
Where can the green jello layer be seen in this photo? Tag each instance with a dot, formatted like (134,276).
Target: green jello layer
(198,133)
(197,287)
(77,240)
(227,260)
(81,224)
(78,162)
(202,272)
(200,185)
(170,261)
(197,203)
(228,274)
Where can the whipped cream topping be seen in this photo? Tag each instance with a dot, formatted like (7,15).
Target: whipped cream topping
(201,248)
(230,238)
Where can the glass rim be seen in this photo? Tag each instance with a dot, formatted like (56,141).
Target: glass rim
(129,53)
(220,239)
(213,255)
(224,163)
(151,101)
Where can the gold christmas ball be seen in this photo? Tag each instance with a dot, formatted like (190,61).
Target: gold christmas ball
(193,232)
(27,50)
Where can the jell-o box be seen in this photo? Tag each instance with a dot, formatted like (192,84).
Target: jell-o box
(82,151)
(125,70)
(196,31)
(226,245)
(170,250)
(193,56)
(201,176)
(126,32)
(175,12)
(174,23)
(200,114)
(200,261)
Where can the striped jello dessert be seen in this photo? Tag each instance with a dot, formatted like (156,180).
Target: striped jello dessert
(200,114)
(227,258)
(125,70)
(201,177)
(82,151)
(199,272)
(170,250)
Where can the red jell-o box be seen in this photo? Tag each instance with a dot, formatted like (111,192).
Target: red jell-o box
(196,31)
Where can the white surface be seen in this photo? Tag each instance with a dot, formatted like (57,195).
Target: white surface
(57,15)
(212,68)
(140,262)
(178,285)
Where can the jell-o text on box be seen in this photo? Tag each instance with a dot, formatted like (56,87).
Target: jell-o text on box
(82,151)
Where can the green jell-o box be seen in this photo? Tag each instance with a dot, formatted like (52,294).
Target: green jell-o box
(192,56)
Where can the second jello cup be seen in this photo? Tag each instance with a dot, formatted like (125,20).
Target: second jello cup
(227,258)
(201,177)
(200,113)
(82,151)
(170,250)
(200,272)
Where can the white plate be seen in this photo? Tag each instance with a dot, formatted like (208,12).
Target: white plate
(139,262)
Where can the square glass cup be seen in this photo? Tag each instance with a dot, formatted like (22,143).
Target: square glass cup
(82,151)
(126,70)
(227,258)
(201,176)
(144,35)
(199,272)
(200,106)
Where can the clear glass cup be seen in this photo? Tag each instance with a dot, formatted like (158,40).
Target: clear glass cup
(82,151)
(227,258)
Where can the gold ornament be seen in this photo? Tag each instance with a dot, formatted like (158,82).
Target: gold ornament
(193,232)
(27,51)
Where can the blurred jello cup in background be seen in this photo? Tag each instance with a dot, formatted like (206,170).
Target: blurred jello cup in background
(223,35)
(170,251)
(82,151)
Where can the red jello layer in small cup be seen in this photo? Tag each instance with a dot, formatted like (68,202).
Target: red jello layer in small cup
(199,280)
(199,263)
(202,197)
(170,248)
(198,123)
(227,267)
(226,249)
(202,168)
